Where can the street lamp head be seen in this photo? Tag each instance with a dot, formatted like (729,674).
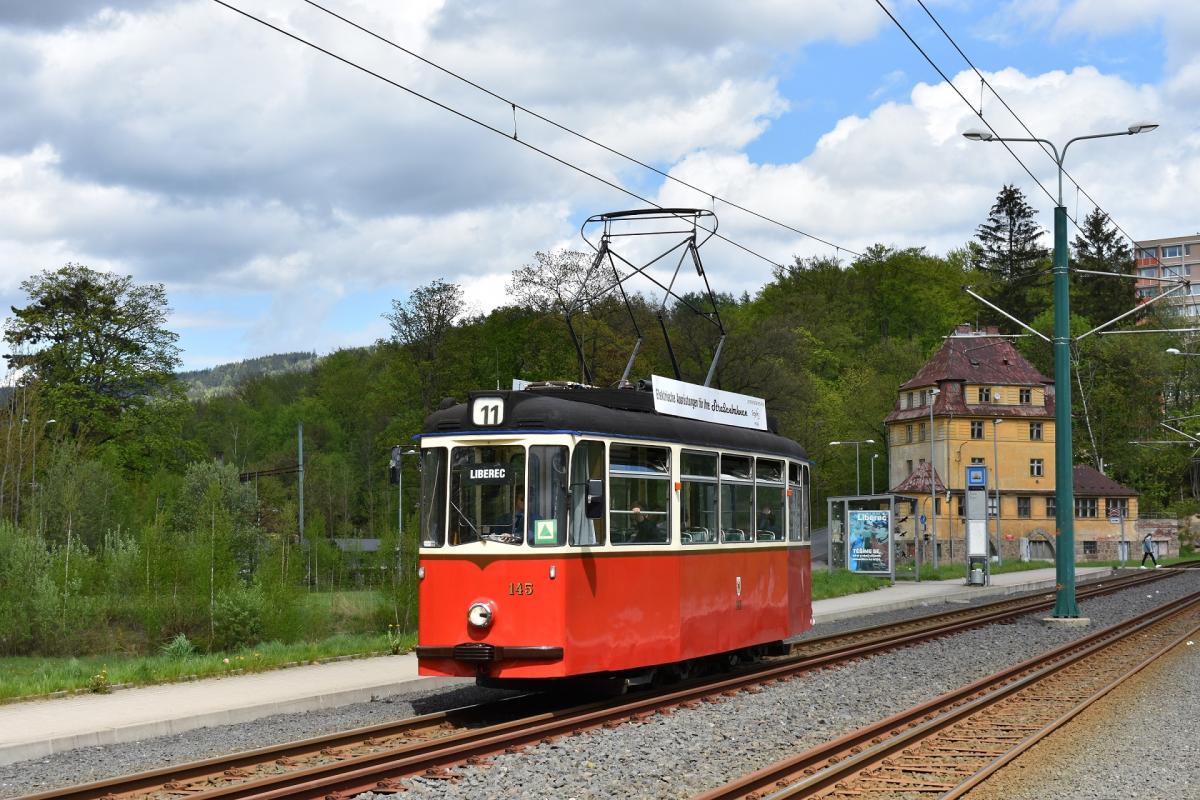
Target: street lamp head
(1173,351)
(835,442)
(984,136)
(1142,127)
(868,441)
(50,421)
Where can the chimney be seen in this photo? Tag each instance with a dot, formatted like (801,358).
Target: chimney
(963,329)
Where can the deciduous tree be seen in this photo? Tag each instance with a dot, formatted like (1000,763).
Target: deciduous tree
(96,342)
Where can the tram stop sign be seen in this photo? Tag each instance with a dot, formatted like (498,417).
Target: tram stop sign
(1114,516)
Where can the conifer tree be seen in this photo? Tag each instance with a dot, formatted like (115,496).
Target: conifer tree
(1012,252)
(1100,247)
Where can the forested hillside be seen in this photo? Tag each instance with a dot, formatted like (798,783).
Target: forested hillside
(123,522)
(225,378)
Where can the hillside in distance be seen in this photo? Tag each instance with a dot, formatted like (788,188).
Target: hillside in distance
(224,378)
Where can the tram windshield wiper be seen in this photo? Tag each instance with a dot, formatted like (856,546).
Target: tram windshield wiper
(462,515)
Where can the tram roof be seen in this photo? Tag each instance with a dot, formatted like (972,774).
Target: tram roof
(606,412)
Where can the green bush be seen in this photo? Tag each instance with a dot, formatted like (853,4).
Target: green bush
(237,619)
(178,648)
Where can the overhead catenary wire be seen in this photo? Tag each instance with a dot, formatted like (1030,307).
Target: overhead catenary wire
(1078,188)
(462,114)
(584,137)
(962,97)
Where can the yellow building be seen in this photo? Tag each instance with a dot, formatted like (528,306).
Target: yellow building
(978,401)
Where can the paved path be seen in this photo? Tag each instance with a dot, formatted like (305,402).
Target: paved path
(38,728)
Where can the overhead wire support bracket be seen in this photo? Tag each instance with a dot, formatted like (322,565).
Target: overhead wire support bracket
(1135,310)
(997,308)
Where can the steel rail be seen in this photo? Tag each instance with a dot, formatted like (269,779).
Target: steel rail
(200,779)
(830,769)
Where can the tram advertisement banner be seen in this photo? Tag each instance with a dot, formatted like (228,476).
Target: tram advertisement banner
(870,542)
(680,399)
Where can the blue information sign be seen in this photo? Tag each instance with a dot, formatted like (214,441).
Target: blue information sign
(977,476)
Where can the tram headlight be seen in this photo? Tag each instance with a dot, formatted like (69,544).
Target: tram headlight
(480,615)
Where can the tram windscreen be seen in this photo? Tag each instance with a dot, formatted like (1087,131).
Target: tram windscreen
(487,495)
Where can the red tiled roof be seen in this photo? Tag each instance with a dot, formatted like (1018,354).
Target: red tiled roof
(977,359)
(1090,481)
(918,482)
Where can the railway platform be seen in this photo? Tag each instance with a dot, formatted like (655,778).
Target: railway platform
(38,728)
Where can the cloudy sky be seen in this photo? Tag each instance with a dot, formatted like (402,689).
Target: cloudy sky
(285,198)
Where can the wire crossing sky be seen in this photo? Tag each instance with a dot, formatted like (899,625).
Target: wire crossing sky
(285,199)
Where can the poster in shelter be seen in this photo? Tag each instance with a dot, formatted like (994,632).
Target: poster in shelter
(870,542)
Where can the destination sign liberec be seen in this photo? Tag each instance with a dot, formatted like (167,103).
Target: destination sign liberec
(485,474)
(681,399)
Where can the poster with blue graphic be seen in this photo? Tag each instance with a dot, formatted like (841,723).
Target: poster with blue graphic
(870,547)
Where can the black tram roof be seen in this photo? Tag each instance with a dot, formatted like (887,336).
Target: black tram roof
(608,412)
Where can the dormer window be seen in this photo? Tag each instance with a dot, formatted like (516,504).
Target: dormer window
(1026,396)
(985,394)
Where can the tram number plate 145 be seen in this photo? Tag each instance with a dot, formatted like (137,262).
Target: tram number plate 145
(521,588)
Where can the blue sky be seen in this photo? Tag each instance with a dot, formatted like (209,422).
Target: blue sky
(285,200)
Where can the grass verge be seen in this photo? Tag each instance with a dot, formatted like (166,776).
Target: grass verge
(38,676)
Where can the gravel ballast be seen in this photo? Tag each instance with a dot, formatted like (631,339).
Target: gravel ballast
(666,756)
(692,750)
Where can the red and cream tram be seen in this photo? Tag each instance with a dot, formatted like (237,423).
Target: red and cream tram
(570,531)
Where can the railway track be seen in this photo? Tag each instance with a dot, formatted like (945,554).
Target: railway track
(944,748)
(378,757)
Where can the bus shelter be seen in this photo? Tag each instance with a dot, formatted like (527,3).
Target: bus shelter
(862,535)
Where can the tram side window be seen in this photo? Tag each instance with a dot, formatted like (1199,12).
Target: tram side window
(806,503)
(769,498)
(639,484)
(487,494)
(737,499)
(547,501)
(433,497)
(797,497)
(587,463)
(698,497)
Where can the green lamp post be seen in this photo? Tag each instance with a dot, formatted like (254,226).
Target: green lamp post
(1064,489)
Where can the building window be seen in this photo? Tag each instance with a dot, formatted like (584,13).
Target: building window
(1051,507)
(1035,431)
(1026,396)
(921,432)
(1086,507)
(910,399)
(991,505)
(1148,272)
(1147,252)
(976,429)
(1118,504)
(1172,251)
(937,506)
(1036,467)
(962,505)
(978,460)
(1025,507)
(1089,548)
(985,394)
(908,433)
(908,466)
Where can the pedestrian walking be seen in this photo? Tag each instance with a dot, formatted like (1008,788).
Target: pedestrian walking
(1148,551)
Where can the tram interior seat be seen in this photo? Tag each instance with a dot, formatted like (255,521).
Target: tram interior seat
(699,535)
(734,535)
